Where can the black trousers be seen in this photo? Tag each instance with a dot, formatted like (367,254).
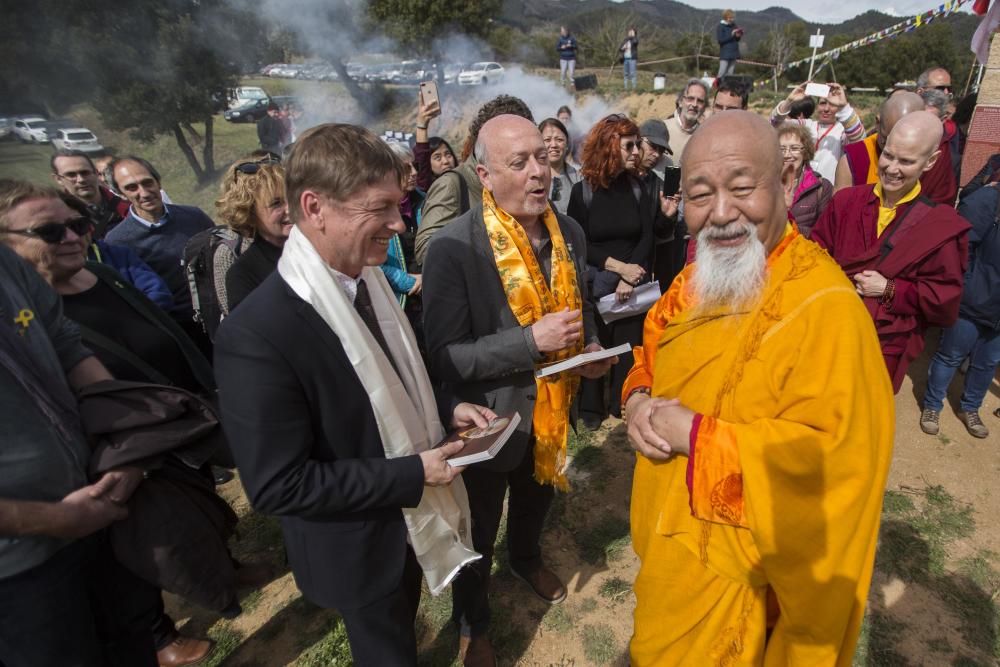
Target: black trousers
(628,330)
(529,503)
(80,608)
(382,633)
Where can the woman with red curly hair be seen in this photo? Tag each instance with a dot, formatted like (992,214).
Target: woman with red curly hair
(619,214)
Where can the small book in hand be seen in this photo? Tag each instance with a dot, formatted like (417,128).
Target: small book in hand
(482,443)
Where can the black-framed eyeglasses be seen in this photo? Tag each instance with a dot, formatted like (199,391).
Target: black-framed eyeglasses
(946,89)
(630,146)
(55,232)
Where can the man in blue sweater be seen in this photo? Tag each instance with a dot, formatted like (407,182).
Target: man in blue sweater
(157,232)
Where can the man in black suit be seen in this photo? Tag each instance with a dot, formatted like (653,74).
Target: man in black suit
(491,317)
(304,368)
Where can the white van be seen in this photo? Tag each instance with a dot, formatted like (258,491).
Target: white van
(241,96)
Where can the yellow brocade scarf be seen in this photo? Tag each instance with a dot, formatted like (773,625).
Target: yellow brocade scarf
(530,299)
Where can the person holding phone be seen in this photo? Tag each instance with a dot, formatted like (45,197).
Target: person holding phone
(728,34)
(834,125)
(432,156)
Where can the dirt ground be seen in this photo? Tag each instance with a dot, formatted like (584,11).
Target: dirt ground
(933,601)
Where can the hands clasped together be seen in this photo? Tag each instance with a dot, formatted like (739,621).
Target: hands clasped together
(657,427)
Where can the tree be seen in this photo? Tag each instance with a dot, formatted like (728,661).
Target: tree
(416,25)
(156,68)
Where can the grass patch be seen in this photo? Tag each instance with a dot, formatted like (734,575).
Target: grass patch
(599,644)
(939,645)
(605,541)
(578,439)
(257,533)
(615,589)
(332,650)
(557,619)
(588,605)
(251,600)
(227,639)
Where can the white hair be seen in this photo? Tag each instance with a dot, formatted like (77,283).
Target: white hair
(728,275)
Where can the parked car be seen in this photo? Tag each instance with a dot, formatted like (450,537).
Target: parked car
(241,96)
(6,128)
(250,111)
(31,129)
(451,73)
(75,139)
(481,74)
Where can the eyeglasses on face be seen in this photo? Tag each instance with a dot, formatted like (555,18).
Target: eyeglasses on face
(73,175)
(55,232)
(630,146)
(945,88)
(793,150)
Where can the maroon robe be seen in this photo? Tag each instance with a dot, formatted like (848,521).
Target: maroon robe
(924,250)
(938,184)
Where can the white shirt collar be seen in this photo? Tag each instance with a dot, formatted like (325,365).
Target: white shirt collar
(349,284)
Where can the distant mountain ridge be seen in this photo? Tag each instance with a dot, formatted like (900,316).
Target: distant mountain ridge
(676,16)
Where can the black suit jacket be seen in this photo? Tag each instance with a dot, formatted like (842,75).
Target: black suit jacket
(308,448)
(475,345)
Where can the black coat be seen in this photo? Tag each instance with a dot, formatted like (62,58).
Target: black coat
(308,449)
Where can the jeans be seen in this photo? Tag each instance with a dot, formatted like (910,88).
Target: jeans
(80,608)
(629,67)
(957,343)
(726,68)
(566,67)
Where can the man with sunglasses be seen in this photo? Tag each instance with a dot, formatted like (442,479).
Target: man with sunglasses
(157,231)
(936,78)
(76,174)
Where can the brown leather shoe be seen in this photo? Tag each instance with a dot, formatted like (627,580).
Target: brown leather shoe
(184,651)
(254,575)
(544,582)
(476,651)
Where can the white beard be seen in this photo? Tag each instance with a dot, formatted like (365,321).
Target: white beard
(728,276)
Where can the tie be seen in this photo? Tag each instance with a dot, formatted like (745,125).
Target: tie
(363,304)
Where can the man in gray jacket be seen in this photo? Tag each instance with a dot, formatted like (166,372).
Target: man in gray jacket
(454,192)
(499,284)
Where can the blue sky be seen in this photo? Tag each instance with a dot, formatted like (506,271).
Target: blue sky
(825,12)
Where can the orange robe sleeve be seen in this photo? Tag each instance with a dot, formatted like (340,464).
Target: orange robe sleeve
(673,301)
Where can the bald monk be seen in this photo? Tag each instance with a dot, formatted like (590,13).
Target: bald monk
(762,458)
(905,254)
(859,164)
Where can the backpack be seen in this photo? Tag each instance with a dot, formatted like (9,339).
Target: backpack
(207,285)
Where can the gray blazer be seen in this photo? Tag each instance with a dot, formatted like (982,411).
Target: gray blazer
(475,345)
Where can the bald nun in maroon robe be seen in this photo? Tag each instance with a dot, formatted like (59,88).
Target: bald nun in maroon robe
(859,164)
(905,253)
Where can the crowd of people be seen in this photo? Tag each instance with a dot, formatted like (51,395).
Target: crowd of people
(355,300)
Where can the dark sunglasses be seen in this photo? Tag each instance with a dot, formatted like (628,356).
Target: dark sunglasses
(630,146)
(55,232)
(946,89)
(254,167)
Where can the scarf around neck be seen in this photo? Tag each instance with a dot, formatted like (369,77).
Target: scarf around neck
(530,298)
(405,409)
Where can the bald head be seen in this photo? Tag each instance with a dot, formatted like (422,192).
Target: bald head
(739,131)
(911,149)
(897,106)
(731,171)
(922,129)
(496,131)
(513,165)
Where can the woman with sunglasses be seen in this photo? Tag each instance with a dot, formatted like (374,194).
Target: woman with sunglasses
(812,191)
(564,175)
(252,205)
(619,215)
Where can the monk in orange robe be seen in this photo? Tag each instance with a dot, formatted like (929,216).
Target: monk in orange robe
(763,441)
(859,164)
(906,254)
